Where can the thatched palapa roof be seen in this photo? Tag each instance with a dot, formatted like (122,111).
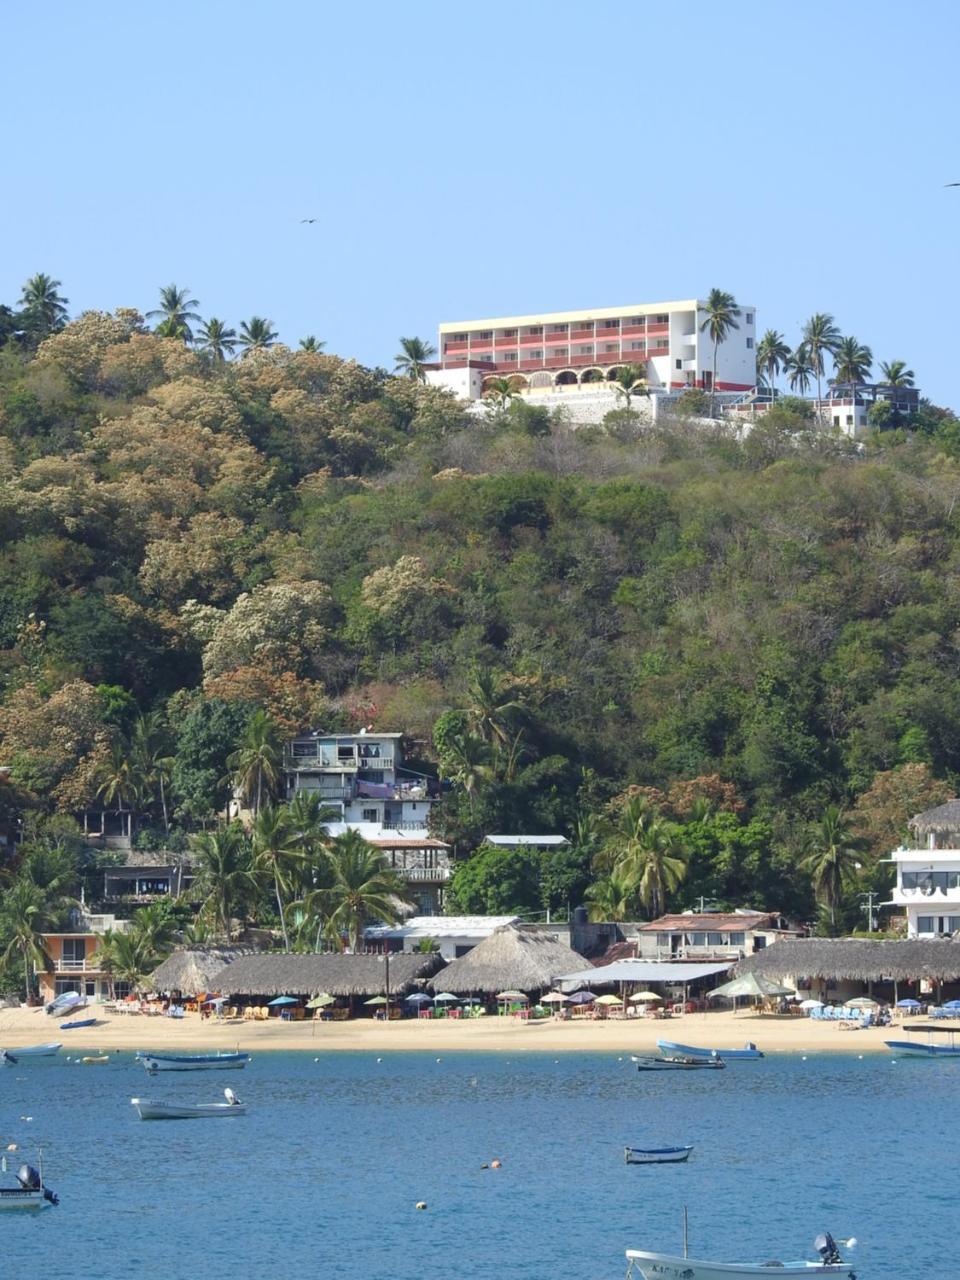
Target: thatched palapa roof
(336,974)
(516,957)
(191,972)
(856,958)
(945,817)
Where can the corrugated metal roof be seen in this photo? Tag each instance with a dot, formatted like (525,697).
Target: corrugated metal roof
(643,971)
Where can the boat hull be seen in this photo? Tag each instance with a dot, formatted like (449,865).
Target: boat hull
(665,1266)
(694,1051)
(154,1062)
(14,1198)
(915,1049)
(171,1111)
(678,1064)
(75,1026)
(38,1050)
(656,1155)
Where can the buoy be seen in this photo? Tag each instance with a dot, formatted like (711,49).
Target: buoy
(380,1059)
(11,1146)
(494,1164)
(421,1204)
(439,1059)
(316,1059)
(484,1166)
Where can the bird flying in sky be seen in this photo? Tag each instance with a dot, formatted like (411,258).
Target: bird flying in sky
(314,219)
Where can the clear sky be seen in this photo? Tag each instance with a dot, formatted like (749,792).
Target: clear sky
(495,158)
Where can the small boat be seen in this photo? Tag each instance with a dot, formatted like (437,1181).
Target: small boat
(64,1003)
(93,1058)
(31,1193)
(656,1155)
(927,1048)
(749,1050)
(667,1266)
(153,1062)
(202,1111)
(650,1063)
(83,1022)
(39,1050)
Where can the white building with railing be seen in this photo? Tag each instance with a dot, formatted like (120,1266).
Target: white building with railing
(927,888)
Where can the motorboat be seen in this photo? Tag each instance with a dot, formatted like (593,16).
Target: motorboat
(664,1063)
(81,1022)
(667,1266)
(39,1050)
(153,1062)
(928,1048)
(656,1155)
(148,1110)
(66,1002)
(32,1193)
(749,1050)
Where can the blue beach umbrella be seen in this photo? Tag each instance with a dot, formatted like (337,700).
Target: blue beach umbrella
(445,998)
(419,997)
(908,1004)
(952,1004)
(284,1000)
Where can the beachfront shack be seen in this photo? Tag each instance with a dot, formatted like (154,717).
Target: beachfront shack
(515,957)
(191,971)
(258,979)
(836,969)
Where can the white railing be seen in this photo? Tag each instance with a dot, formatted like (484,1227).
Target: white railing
(75,966)
(425,873)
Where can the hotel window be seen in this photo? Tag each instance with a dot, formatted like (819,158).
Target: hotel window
(484,334)
(663,344)
(611,347)
(509,333)
(509,355)
(611,324)
(698,940)
(459,337)
(678,363)
(749,344)
(924,924)
(584,351)
(737,939)
(638,346)
(534,355)
(535,330)
(635,320)
(661,319)
(558,328)
(749,317)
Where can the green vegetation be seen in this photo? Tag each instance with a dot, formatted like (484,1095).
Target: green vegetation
(204,553)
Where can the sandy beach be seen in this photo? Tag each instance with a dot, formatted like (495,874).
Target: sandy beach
(492,1034)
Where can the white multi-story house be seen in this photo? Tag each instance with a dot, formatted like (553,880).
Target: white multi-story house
(928,873)
(360,776)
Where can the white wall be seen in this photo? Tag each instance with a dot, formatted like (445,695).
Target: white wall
(465,383)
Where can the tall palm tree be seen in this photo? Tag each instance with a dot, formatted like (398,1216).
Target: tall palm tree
(310,343)
(833,859)
(494,705)
(127,957)
(278,853)
(630,380)
(610,898)
(773,351)
(225,878)
(646,854)
(500,391)
(22,921)
(117,780)
(820,338)
(799,370)
(256,764)
(216,340)
(896,374)
(46,310)
(852,362)
(414,354)
(175,312)
(466,761)
(257,334)
(363,887)
(151,761)
(720,312)
(153,926)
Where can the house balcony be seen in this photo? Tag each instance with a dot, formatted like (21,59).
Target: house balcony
(89,965)
(425,875)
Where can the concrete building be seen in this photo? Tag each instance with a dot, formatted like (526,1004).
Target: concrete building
(710,935)
(928,873)
(527,842)
(845,408)
(569,351)
(422,861)
(74,963)
(453,935)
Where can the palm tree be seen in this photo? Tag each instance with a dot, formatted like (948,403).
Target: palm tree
(820,338)
(500,391)
(609,898)
(896,374)
(127,957)
(257,762)
(225,879)
(175,310)
(46,310)
(495,705)
(154,927)
(833,860)
(773,352)
(466,761)
(22,921)
(646,854)
(277,852)
(852,362)
(117,780)
(720,317)
(310,343)
(630,380)
(798,369)
(216,340)
(256,334)
(414,354)
(151,763)
(363,888)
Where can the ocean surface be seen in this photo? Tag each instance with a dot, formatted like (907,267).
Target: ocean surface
(322,1176)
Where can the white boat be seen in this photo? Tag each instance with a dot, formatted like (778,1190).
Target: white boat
(32,1193)
(38,1050)
(668,1266)
(190,1061)
(201,1111)
(65,1003)
(656,1155)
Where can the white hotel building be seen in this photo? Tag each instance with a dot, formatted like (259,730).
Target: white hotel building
(928,876)
(571,350)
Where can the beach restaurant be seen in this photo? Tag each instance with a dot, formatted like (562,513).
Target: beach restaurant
(523,958)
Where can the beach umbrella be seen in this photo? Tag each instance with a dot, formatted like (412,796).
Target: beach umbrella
(582,997)
(419,997)
(321,1001)
(908,1004)
(811,1004)
(610,1001)
(471,1000)
(508,995)
(445,998)
(750,985)
(280,1000)
(862,1002)
(952,1004)
(555,997)
(645,997)
(376,1000)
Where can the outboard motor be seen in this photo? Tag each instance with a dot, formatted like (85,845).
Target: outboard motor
(7,1059)
(30,1180)
(826,1246)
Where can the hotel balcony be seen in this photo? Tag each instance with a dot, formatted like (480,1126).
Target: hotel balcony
(89,965)
(428,875)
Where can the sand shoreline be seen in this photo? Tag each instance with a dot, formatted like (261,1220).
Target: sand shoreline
(19,1027)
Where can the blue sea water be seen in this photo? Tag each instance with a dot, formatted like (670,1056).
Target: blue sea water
(322,1176)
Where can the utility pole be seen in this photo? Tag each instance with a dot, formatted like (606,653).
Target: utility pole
(868,907)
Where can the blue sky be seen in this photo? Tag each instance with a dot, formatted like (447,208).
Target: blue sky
(503,158)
